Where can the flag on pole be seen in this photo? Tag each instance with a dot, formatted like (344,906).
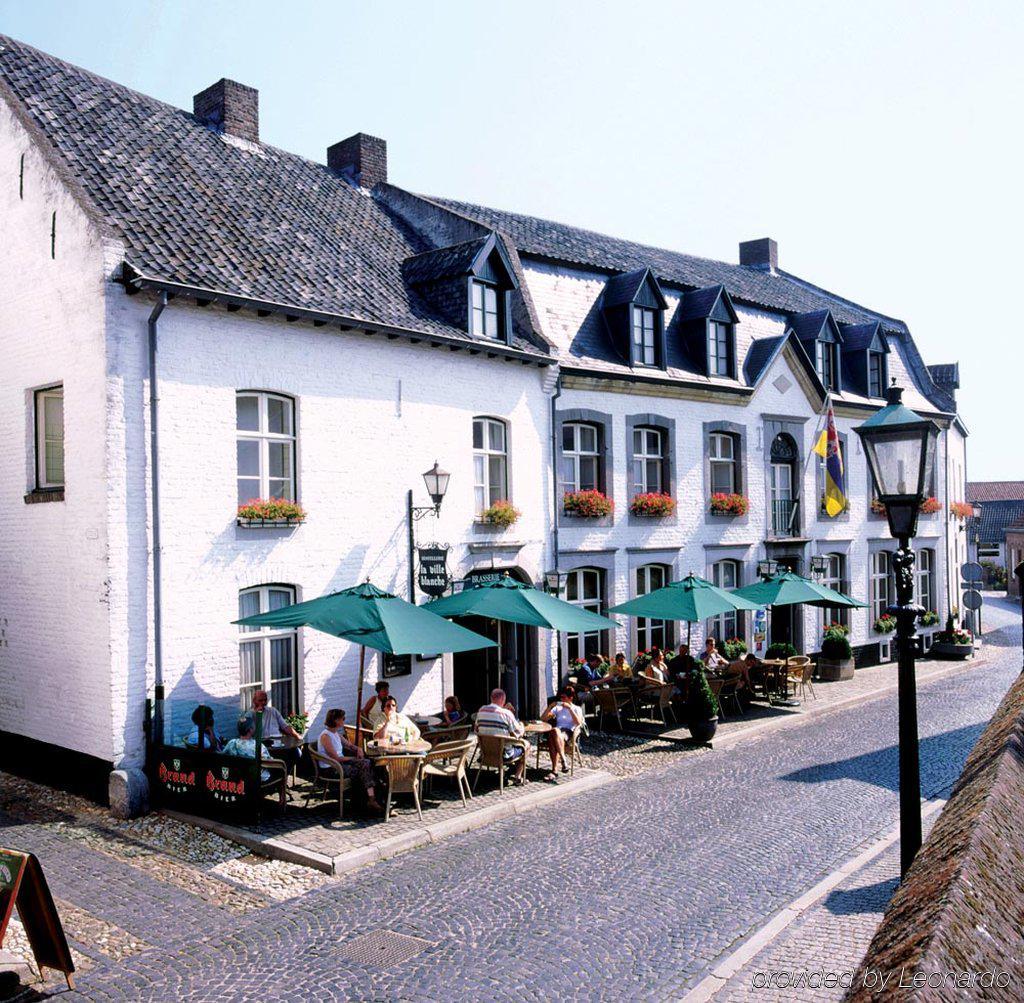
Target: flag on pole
(827,447)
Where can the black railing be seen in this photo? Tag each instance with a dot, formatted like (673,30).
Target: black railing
(784,516)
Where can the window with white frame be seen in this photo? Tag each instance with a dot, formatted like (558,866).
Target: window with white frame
(485,312)
(49,421)
(719,359)
(925,574)
(490,463)
(825,363)
(835,578)
(265,424)
(580,457)
(268,656)
(876,374)
(651,633)
(648,460)
(584,587)
(881,584)
(722,457)
(726,575)
(644,336)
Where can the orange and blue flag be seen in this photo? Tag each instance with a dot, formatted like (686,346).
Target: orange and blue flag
(827,447)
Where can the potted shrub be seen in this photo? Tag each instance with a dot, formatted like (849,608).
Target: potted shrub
(587,504)
(729,504)
(885,624)
(501,514)
(835,661)
(701,707)
(780,651)
(953,642)
(734,648)
(653,504)
(930,506)
(270,512)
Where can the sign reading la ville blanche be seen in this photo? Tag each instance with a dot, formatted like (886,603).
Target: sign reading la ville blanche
(433,575)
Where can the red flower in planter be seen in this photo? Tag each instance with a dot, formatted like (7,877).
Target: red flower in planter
(587,504)
(930,506)
(729,504)
(271,510)
(653,503)
(961,510)
(502,513)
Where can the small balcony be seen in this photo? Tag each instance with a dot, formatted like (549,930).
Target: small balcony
(785,514)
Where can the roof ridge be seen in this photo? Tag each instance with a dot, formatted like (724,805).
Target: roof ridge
(881,317)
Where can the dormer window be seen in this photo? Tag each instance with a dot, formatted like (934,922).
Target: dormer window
(719,348)
(825,363)
(633,307)
(822,339)
(645,324)
(876,374)
(486,312)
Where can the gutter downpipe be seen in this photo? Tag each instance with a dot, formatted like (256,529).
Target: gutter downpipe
(154,488)
(554,513)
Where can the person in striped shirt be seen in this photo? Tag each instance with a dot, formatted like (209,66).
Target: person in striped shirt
(496,719)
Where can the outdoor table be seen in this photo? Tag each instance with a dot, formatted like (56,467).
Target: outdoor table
(537,727)
(423,721)
(286,748)
(780,675)
(278,742)
(378,750)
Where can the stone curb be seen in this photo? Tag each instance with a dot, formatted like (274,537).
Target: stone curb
(391,846)
(752,946)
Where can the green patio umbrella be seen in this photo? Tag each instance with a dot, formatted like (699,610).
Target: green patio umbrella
(514,602)
(691,599)
(788,588)
(374,619)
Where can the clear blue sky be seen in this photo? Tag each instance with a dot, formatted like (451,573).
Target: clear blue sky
(879,143)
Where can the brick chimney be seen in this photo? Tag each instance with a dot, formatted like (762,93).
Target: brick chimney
(231,108)
(361,160)
(762,253)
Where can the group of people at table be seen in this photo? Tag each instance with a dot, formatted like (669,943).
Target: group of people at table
(390,727)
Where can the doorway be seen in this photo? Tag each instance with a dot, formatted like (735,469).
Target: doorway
(788,621)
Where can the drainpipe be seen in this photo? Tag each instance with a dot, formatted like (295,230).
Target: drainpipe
(154,488)
(554,492)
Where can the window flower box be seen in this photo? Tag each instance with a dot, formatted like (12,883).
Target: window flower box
(877,507)
(729,504)
(929,618)
(587,504)
(885,624)
(961,510)
(653,504)
(270,512)
(930,506)
(501,514)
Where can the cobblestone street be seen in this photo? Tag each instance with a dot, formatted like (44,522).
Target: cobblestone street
(632,890)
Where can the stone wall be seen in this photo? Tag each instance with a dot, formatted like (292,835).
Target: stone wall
(961,908)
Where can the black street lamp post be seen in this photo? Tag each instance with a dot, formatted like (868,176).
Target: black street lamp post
(900,450)
(436,481)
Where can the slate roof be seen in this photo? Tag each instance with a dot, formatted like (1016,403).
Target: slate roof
(443,262)
(623,288)
(858,337)
(561,242)
(992,491)
(946,374)
(197,208)
(697,304)
(996,516)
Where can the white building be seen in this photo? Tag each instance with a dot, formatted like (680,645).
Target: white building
(323,336)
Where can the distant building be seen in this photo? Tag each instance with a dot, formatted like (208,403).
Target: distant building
(1002,507)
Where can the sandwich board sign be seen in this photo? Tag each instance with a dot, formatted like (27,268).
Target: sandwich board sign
(23,885)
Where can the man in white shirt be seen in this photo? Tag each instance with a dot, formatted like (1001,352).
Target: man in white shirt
(496,719)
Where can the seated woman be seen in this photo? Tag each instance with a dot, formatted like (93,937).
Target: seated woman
(565,717)
(656,670)
(354,764)
(452,713)
(621,669)
(245,744)
(202,736)
(395,726)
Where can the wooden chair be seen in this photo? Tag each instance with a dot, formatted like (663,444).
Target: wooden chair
(609,701)
(572,749)
(806,679)
(277,782)
(454,733)
(731,684)
(404,777)
(350,735)
(449,759)
(795,668)
(491,756)
(665,695)
(327,773)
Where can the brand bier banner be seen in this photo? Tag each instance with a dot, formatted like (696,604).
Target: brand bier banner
(433,574)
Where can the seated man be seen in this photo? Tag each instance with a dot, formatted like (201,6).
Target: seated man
(565,717)
(594,671)
(714,660)
(496,719)
(373,709)
(274,724)
(354,764)
(202,736)
(681,664)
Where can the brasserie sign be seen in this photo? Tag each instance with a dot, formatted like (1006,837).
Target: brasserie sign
(433,574)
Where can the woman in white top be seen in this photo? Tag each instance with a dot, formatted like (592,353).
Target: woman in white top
(395,727)
(565,717)
(656,670)
(353,762)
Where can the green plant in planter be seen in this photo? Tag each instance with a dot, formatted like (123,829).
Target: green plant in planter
(271,510)
(836,647)
(733,648)
(885,624)
(929,618)
(587,504)
(701,703)
(502,513)
(780,649)
(298,721)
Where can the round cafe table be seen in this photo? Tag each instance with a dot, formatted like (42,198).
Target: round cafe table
(377,750)
(537,727)
(424,721)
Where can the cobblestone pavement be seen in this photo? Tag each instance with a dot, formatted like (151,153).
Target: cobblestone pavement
(631,892)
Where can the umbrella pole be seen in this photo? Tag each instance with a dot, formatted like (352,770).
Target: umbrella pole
(359,695)
(689,627)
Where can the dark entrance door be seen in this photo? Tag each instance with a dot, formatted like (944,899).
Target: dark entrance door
(787,621)
(476,673)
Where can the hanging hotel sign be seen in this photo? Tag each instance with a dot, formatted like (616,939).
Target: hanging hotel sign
(23,886)
(433,575)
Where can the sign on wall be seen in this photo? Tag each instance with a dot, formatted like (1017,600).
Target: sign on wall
(396,665)
(433,577)
(760,631)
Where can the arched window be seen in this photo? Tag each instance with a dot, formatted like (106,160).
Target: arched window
(651,633)
(835,578)
(784,487)
(581,457)
(265,424)
(268,656)
(648,460)
(726,575)
(584,587)
(490,462)
(880,584)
